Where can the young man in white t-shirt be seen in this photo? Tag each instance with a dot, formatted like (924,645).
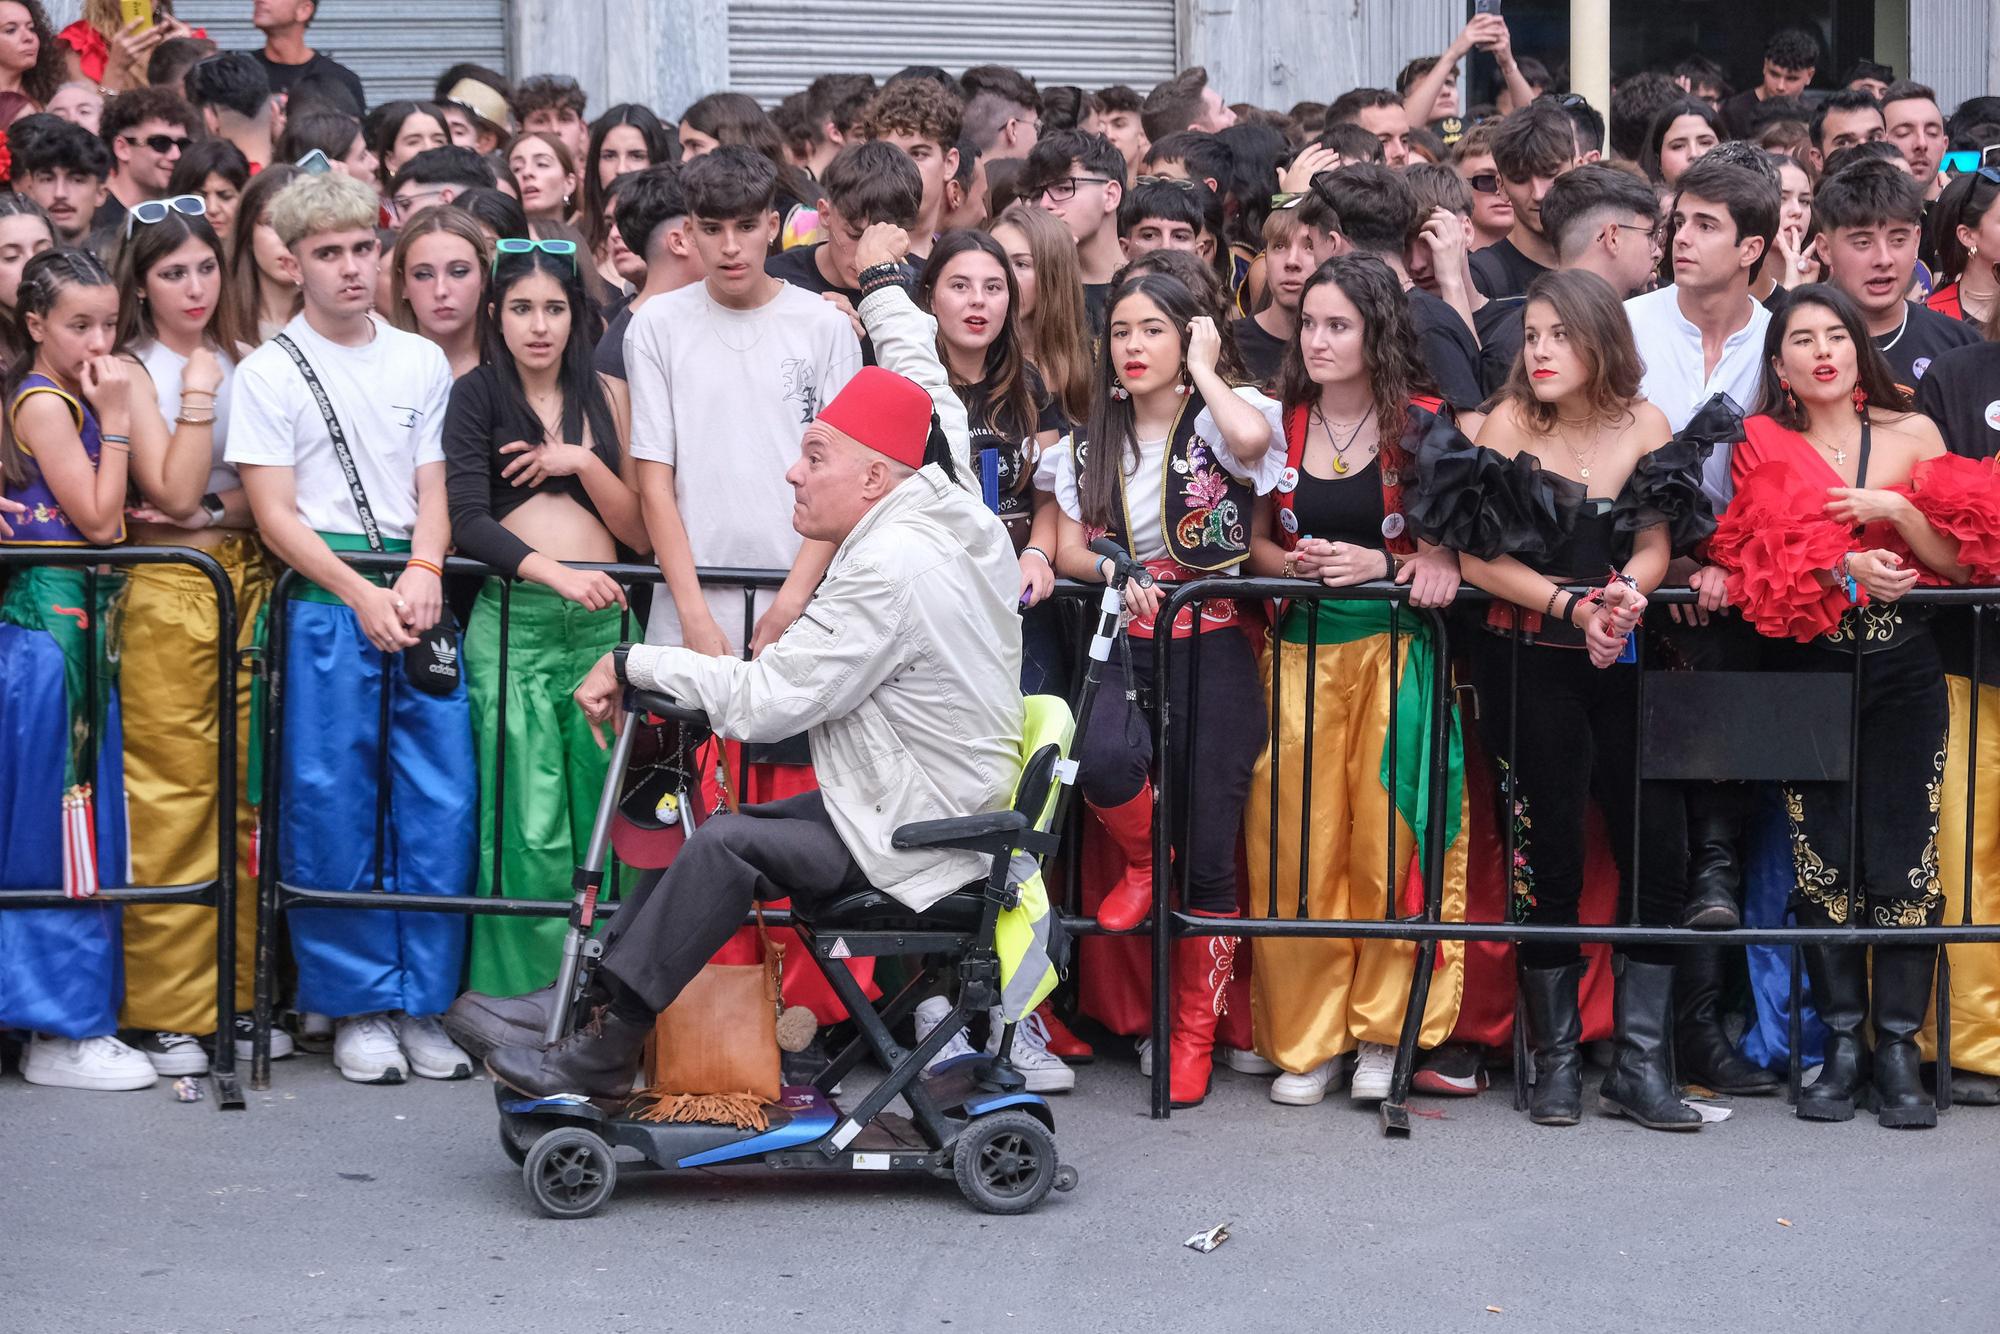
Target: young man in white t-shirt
(383,976)
(725,376)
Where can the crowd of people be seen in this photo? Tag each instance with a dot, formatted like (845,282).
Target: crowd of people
(1742,344)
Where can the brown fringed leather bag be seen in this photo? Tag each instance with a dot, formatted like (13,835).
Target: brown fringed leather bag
(716,1047)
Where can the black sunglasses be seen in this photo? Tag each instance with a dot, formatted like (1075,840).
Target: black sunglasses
(1486,183)
(162,143)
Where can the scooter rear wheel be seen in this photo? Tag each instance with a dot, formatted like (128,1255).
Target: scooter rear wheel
(1005,1162)
(570,1172)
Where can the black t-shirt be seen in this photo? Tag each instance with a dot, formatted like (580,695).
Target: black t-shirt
(1015,450)
(609,358)
(1737,111)
(1961,393)
(1498,324)
(1262,353)
(1449,350)
(282,77)
(1095,297)
(1501,270)
(1344,509)
(799,266)
(1926,335)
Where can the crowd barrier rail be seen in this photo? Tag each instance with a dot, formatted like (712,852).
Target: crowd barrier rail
(1171,920)
(218,893)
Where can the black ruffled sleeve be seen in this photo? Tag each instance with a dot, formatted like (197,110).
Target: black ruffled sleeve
(1472,500)
(1665,487)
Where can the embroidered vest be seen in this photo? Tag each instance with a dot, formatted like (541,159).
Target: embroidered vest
(45,524)
(1395,457)
(1204,509)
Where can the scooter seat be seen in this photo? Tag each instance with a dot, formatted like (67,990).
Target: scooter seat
(872,910)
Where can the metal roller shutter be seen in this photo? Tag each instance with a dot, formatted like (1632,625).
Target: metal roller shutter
(397,47)
(777,47)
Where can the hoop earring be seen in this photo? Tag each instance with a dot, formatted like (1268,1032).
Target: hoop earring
(1120,392)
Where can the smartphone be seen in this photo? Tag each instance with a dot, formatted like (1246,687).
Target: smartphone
(1478,6)
(315,163)
(136,11)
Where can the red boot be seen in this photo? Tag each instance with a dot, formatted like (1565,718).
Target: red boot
(1063,1044)
(1202,968)
(1131,828)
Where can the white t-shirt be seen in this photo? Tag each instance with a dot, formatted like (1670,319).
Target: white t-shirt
(1146,475)
(390,397)
(1670,347)
(724,396)
(165,366)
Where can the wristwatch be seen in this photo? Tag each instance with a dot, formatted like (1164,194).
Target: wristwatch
(618,656)
(211,505)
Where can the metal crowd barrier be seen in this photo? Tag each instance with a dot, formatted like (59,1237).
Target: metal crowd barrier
(278,896)
(220,892)
(1171,920)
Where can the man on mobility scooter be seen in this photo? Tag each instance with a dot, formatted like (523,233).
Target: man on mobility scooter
(904,668)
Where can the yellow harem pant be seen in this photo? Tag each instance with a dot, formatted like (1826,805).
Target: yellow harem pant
(168,678)
(1312,1000)
(1975,969)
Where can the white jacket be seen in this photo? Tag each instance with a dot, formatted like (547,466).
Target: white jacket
(905,342)
(905,669)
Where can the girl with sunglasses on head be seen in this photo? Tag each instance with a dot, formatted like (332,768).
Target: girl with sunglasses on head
(25,231)
(1168,466)
(437,276)
(263,284)
(65,454)
(545,179)
(1845,500)
(174,319)
(337,135)
(538,474)
(1965,228)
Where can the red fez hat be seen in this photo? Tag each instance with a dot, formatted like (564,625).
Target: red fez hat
(889,413)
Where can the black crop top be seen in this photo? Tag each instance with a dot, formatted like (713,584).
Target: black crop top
(477,423)
(1348,510)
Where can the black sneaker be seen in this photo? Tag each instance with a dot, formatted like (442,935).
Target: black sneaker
(171,1054)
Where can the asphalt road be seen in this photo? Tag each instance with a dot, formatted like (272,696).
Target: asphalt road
(328,1205)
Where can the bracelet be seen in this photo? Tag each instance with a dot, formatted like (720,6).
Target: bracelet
(1390,564)
(1569,608)
(1290,568)
(1039,552)
(110,439)
(1550,609)
(419,563)
(182,419)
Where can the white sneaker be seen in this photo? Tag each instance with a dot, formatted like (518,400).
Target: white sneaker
(281,1041)
(171,1054)
(1373,1065)
(1309,1088)
(1146,1057)
(1244,1061)
(104,1064)
(1044,1071)
(365,1050)
(931,1013)
(432,1053)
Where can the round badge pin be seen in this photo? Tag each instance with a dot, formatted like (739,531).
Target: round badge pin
(1288,520)
(1392,525)
(1390,477)
(1288,480)
(1993,414)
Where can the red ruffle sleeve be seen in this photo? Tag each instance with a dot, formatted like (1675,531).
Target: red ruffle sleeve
(1960,497)
(92,51)
(1773,542)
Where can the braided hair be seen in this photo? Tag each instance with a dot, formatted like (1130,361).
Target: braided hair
(43,281)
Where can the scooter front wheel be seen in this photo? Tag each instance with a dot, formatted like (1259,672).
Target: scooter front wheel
(1005,1162)
(570,1172)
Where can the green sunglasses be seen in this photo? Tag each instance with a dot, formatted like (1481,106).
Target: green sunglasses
(528,245)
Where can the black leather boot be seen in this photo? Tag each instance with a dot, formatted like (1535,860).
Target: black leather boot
(598,1060)
(1706,1055)
(1903,976)
(1715,873)
(1555,1025)
(1839,976)
(1641,1082)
